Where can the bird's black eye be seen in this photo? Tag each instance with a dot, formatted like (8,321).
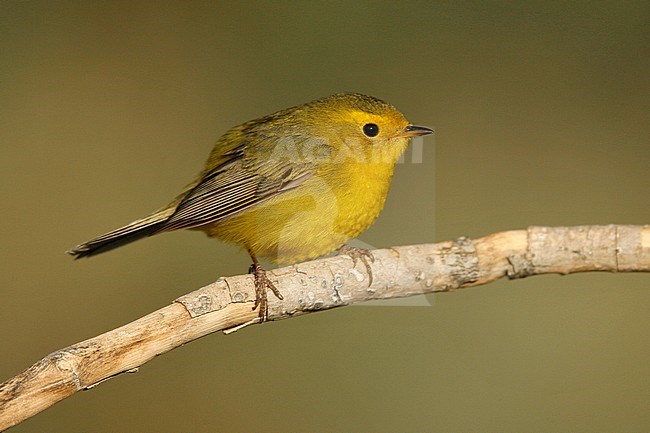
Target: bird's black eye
(370,129)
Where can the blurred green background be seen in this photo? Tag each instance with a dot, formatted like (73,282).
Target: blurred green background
(541,116)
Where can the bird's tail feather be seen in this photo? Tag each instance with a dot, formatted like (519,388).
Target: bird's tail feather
(132,232)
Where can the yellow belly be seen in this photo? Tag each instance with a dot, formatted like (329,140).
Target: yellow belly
(317,217)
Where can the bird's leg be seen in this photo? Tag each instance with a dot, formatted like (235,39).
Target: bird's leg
(262,284)
(357,254)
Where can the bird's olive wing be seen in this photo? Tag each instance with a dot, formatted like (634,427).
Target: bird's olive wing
(235,186)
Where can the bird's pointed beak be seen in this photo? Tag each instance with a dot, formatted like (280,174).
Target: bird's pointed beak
(416,131)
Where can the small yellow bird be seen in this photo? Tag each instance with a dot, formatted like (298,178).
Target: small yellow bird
(290,186)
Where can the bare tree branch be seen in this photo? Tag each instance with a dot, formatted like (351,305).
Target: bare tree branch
(318,285)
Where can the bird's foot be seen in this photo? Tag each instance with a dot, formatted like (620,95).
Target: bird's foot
(357,254)
(262,284)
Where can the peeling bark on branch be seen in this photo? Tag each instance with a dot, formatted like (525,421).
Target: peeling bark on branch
(318,285)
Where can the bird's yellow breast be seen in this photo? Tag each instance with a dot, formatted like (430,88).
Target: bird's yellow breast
(333,206)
